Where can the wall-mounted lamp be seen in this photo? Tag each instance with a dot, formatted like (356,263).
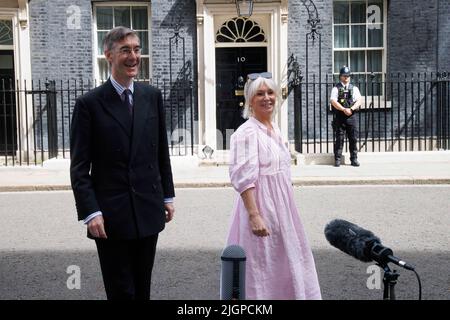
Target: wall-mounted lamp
(244,8)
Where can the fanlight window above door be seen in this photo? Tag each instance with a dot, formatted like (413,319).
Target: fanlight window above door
(240,29)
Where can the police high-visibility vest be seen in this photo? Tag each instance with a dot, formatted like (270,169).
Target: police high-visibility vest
(345,96)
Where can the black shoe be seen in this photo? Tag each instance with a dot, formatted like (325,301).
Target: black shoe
(355,163)
(337,162)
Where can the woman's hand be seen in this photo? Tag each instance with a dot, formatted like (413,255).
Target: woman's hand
(258,225)
(256,221)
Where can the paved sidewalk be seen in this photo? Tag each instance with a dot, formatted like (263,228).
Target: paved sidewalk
(376,168)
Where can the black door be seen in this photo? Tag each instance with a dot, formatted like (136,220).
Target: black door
(8,142)
(232,67)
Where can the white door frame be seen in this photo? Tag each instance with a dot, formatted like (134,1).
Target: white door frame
(21,39)
(277,55)
(22,66)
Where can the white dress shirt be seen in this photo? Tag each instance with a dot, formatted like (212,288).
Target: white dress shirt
(335,93)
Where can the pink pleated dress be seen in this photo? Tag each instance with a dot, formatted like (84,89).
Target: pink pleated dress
(280,266)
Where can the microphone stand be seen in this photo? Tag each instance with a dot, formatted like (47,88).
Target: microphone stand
(389,281)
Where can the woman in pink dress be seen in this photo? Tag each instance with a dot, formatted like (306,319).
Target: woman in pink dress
(265,221)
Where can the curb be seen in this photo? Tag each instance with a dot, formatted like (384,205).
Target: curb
(298,182)
(35,188)
(371,181)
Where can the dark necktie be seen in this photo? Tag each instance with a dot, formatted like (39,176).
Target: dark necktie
(127,93)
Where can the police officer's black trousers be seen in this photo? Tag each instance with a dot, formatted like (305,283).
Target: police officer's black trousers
(345,125)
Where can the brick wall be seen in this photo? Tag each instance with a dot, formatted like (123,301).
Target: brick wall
(412,45)
(62,48)
(444,38)
(412,40)
(60,52)
(57,50)
(298,29)
(166,14)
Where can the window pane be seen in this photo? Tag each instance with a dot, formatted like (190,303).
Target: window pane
(341,35)
(378,11)
(374,61)
(375,35)
(6,62)
(358,80)
(122,17)
(340,60)
(358,61)
(6,34)
(144,70)
(103,69)
(140,18)
(358,36)
(358,12)
(100,36)
(341,12)
(104,18)
(143,37)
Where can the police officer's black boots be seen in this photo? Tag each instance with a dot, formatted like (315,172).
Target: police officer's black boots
(354,162)
(337,162)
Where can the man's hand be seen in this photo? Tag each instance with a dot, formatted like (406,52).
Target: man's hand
(170,210)
(258,226)
(96,227)
(348,112)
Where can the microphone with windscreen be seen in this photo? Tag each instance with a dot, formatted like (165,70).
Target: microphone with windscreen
(232,280)
(360,243)
(365,246)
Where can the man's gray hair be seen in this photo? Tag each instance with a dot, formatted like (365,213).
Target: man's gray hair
(115,35)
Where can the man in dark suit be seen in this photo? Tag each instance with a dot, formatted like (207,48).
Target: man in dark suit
(120,169)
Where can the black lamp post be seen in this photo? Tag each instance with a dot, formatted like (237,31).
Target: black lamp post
(244,8)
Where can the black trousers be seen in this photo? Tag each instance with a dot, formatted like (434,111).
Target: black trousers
(127,267)
(345,125)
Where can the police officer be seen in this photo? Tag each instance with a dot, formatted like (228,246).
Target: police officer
(345,100)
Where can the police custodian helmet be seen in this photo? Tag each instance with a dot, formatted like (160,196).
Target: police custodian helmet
(344,71)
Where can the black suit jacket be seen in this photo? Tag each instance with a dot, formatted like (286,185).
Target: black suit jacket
(120,165)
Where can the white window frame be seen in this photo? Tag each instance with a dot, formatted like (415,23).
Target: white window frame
(96,56)
(365,49)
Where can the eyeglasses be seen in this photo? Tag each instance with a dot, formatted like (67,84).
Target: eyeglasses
(254,76)
(127,51)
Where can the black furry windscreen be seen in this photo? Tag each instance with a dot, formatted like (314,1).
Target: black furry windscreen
(350,238)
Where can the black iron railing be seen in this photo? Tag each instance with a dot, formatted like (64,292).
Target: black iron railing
(400,112)
(35,118)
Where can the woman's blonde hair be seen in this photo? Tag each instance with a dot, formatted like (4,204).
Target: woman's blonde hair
(250,89)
